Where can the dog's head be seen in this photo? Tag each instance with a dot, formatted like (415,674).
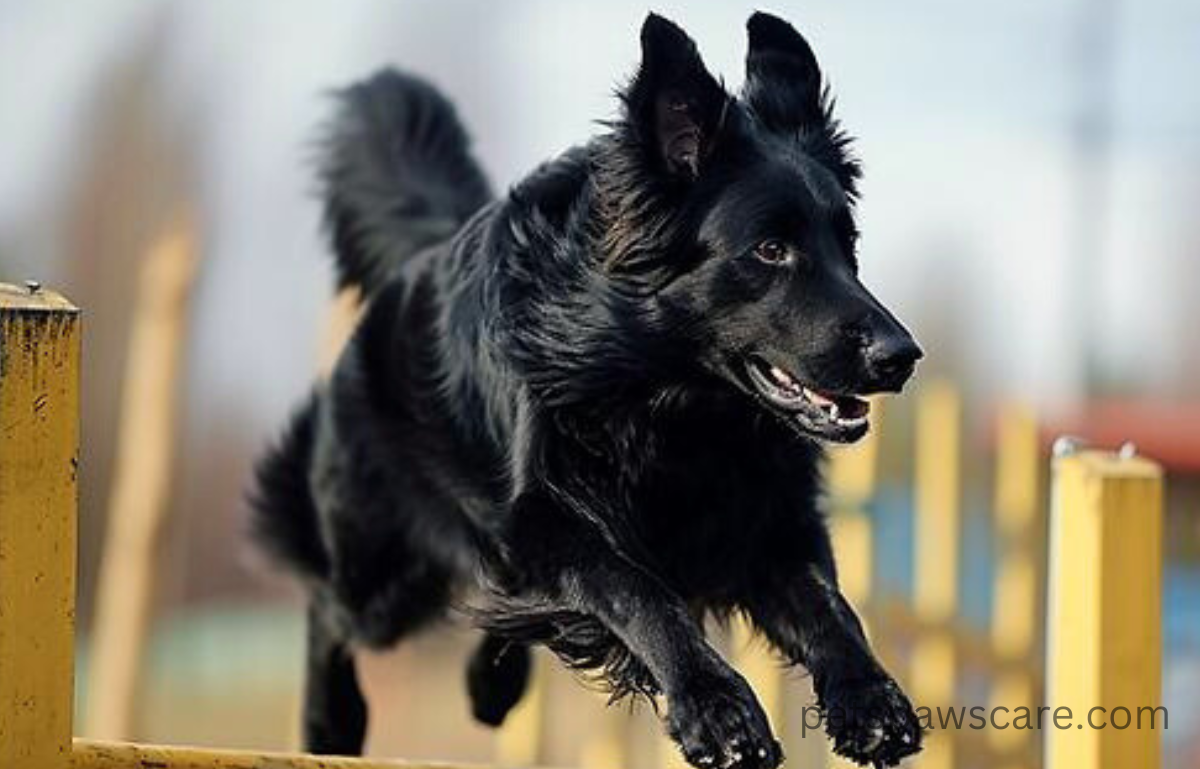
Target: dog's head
(742,210)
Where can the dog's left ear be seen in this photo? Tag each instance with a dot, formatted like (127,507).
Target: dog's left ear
(783,80)
(674,104)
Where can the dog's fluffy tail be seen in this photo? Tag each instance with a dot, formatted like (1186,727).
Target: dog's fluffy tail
(284,516)
(398,176)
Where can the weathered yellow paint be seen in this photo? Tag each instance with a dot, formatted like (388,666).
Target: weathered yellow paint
(937,533)
(137,511)
(89,754)
(39,454)
(1017,606)
(1104,637)
(519,741)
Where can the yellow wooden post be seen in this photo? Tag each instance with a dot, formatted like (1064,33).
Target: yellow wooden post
(137,511)
(937,533)
(1018,603)
(1104,641)
(39,454)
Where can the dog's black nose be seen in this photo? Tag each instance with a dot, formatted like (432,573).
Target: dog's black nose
(892,359)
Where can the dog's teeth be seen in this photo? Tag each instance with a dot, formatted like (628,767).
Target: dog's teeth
(833,412)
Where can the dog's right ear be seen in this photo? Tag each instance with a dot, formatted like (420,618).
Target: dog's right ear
(673,104)
(783,80)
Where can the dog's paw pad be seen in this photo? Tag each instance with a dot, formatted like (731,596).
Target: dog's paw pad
(722,726)
(871,722)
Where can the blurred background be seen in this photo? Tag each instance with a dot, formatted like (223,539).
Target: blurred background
(1029,208)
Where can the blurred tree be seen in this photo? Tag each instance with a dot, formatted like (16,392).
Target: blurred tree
(135,172)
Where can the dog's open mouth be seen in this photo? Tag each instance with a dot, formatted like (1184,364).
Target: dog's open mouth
(834,416)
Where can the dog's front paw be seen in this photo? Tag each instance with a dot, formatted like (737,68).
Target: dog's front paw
(871,721)
(719,724)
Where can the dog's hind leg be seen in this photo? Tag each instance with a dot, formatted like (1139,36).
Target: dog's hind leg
(496,678)
(335,713)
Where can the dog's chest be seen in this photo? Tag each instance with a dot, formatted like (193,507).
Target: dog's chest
(714,495)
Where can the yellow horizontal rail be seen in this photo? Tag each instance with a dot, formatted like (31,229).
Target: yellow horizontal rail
(90,754)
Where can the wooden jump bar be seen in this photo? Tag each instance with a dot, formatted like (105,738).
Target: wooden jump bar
(89,754)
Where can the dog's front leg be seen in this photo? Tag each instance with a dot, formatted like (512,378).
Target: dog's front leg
(806,617)
(712,712)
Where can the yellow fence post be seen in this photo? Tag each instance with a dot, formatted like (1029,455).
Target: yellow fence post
(1104,639)
(937,530)
(39,454)
(1019,582)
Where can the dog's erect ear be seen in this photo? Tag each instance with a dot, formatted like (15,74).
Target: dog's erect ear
(784,90)
(783,80)
(674,104)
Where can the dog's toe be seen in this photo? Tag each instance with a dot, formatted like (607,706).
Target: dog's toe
(871,722)
(722,726)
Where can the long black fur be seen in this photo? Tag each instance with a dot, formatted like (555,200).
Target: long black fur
(562,410)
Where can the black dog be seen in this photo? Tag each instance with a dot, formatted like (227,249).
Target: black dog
(598,401)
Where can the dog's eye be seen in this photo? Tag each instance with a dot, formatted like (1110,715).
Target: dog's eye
(773,252)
